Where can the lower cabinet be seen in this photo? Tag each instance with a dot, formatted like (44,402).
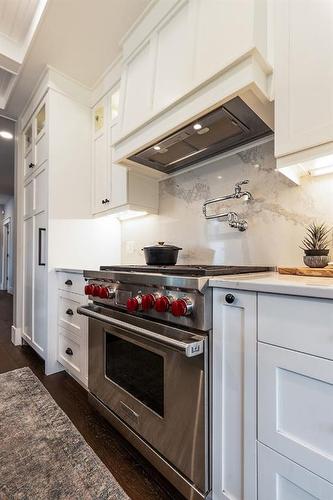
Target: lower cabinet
(282,479)
(72,327)
(234,395)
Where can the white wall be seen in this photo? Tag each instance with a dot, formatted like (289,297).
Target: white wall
(84,244)
(9,210)
(276,217)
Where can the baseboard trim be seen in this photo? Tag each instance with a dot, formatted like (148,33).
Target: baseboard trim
(16,336)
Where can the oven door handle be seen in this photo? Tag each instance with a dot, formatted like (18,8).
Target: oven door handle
(189,349)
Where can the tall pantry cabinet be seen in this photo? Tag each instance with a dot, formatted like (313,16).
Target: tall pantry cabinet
(54,183)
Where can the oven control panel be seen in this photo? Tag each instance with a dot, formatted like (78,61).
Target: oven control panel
(150,302)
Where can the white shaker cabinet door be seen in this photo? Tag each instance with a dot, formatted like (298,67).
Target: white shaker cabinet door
(234,395)
(282,479)
(101,160)
(40,284)
(28,242)
(295,407)
(303,74)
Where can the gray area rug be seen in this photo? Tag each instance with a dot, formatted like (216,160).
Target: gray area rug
(42,455)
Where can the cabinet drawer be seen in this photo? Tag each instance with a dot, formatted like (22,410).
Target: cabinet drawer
(282,479)
(69,352)
(300,323)
(71,282)
(68,317)
(295,407)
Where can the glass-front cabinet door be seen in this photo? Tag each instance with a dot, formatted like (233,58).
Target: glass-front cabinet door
(40,121)
(28,150)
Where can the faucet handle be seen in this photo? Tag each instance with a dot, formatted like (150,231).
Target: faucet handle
(240,183)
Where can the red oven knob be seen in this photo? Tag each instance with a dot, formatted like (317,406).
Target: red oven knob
(148,301)
(162,304)
(96,289)
(89,289)
(181,307)
(133,303)
(103,292)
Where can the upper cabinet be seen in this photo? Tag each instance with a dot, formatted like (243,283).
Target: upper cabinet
(115,189)
(185,57)
(303,72)
(35,141)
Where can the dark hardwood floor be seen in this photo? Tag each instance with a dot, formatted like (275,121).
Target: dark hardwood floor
(137,477)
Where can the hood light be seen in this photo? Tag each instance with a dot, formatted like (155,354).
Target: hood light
(6,135)
(197,126)
(157,148)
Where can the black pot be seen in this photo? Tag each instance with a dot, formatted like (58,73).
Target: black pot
(314,252)
(161,254)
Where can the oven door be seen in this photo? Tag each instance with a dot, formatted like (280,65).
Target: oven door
(154,377)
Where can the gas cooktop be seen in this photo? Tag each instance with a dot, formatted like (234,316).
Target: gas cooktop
(188,270)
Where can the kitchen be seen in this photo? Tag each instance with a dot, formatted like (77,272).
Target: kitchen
(161,191)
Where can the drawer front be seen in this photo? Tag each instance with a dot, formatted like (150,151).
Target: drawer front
(300,323)
(282,479)
(69,353)
(68,317)
(295,407)
(71,282)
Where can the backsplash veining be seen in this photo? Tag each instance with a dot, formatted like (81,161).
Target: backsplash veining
(276,216)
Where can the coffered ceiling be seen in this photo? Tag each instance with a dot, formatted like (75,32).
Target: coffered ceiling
(19,20)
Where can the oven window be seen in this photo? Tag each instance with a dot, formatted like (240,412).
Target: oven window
(139,371)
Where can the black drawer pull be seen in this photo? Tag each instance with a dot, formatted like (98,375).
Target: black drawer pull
(229,298)
(31,165)
(69,282)
(69,312)
(69,351)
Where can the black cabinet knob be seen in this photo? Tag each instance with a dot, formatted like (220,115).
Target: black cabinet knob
(31,165)
(69,312)
(69,282)
(107,200)
(229,298)
(69,351)
(103,201)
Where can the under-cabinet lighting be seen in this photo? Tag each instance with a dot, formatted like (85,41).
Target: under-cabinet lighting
(6,135)
(197,126)
(322,170)
(157,148)
(130,214)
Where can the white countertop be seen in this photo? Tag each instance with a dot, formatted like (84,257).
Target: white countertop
(68,270)
(273,282)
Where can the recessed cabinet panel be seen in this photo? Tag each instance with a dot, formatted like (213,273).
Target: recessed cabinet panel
(28,238)
(29,163)
(282,479)
(40,282)
(29,198)
(303,74)
(41,150)
(138,88)
(173,58)
(223,32)
(41,190)
(101,174)
(295,407)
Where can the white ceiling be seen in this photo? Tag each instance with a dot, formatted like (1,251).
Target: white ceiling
(6,161)
(80,38)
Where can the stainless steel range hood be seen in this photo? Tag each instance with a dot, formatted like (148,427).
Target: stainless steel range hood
(232,125)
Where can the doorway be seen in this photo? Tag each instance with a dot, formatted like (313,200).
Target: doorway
(7,258)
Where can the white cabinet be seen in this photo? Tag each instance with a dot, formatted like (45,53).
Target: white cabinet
(282,479)
(295,411)
(116,188)
(55,134)
(234,395)
(72,327)
(303,76)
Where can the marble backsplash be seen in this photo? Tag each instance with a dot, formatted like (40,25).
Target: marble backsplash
(276,216)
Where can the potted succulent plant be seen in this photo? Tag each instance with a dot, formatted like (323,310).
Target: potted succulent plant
(316,245)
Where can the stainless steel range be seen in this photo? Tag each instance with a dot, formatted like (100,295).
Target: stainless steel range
(149,330)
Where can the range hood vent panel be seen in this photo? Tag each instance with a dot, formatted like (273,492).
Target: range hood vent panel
(225,128)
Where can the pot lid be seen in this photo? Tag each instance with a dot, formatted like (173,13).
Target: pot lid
(160,245)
